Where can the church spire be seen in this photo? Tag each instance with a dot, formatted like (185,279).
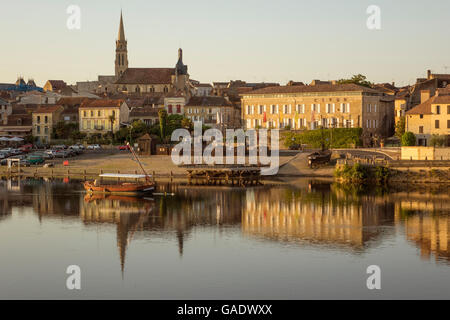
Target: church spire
(121,36)
(121,63)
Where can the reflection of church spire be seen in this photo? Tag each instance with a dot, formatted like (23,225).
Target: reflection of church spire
(122,241)
(180,238)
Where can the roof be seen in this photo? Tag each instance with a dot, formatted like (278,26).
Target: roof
(312,89)
(206,85)
(212,101)
(102,103)
(3,102)
(144,112)
(48,109)
(57,84)
(425,108)
(147,76)
(71,101)
(25,119)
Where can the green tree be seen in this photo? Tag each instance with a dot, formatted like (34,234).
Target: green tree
(408,139)
(162,114)
(187,123)
(358,79)
(437,140)
(112,120)
(400,127)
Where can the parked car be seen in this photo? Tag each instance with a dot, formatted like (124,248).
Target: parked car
(60,147)
(3,155)
(125,147)
(15,152)
(34,159)
(26,148)
(62,154)
(94,147)
(50,152)
(21,157)
(76,149)
(6,151)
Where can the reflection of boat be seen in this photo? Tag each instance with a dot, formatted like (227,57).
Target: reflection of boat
(138,188)
(103,196)
(120,188)
(320,157)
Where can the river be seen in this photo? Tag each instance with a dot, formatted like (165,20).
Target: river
(304,240)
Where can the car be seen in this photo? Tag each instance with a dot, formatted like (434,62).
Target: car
(16,152)
(60,147)
(51,153)
(21,157)
(62,154)
(76,149)
(94,147)
(125,147)
(34,159)
(26,147)
(3,155)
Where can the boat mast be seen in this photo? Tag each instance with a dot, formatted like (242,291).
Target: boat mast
(137,159)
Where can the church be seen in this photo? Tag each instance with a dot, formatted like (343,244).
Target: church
(146,81)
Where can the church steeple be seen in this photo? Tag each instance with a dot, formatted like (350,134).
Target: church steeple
(121,36)
(121,63)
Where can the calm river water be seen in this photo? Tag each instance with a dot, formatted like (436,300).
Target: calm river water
(307,240)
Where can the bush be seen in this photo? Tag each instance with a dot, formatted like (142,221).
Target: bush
(330,138)
(408,139)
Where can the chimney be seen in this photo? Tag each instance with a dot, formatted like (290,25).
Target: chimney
(429,74)
(424,95)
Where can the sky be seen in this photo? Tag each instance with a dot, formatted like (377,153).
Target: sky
(250,40)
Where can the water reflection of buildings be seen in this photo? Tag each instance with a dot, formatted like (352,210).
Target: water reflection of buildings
(426,220)
(315,215)
(176,215)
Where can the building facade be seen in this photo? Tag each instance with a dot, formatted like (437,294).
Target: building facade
(44,120)
(431,117)
(102,116)
(320,105)
(216,112)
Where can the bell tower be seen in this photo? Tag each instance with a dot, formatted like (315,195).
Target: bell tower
(121,63)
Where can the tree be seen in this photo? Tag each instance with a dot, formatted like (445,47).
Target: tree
(400,127)
(187,123)
(162,124)
(408,139)
(112,120)
(437,140)
(358,79)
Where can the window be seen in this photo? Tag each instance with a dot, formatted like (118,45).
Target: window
(448,109)
(46,119)
(436,124)
(375,108)
(38,119)
(421,116)
(438,109)
(99,113)
(178,108)
(92,113)
(38,129)
(261,109)
(448,124)
(421,129)
(169,108)
(84,114)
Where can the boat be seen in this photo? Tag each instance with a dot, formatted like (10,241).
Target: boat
(141,186)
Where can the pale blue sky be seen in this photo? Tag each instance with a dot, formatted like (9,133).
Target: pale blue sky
(252,40)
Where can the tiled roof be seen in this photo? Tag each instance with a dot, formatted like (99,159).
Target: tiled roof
(57,84)
(48,109)
(144,112)
(13,120)
(425,108)
(102,103)
(312,89)
(71,101)
(208,102)
(147,76)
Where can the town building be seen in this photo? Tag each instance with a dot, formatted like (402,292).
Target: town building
(55,85)
(431,117)
(320,105)
(5,111)
(148,115)
(103,116)
(44,120)
(202,89)
(217,112)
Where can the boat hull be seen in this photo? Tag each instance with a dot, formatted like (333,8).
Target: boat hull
(130,189)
